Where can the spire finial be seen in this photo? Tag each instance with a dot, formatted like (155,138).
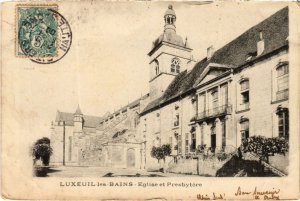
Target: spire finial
(78,110)
(170,7)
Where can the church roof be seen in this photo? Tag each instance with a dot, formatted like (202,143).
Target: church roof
(275,33)
(89,121)
(168,37)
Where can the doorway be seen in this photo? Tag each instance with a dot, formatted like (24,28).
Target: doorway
(130,158)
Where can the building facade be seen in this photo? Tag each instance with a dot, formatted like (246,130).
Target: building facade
(238,91)
(235,92)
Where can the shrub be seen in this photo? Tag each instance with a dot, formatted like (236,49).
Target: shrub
(221,156)
(264,147)
(200,149)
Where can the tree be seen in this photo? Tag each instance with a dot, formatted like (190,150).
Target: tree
(42,150)
(264,147)
(161,152)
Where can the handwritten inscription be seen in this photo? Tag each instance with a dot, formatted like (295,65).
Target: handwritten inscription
(214,196)
(258,194)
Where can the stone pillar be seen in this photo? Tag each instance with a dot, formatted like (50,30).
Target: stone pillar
(218,134)
(219,98)
(206,101)
(229,134)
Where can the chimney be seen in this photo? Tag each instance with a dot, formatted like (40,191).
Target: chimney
(210,52)
(260,44)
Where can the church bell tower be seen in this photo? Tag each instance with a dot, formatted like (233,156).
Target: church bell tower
(169,56)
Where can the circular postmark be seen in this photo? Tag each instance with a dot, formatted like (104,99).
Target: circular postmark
(44,35)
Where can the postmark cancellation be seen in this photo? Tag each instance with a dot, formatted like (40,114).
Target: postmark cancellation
(42,34)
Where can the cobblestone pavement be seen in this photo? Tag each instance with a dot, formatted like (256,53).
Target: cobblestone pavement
(105,172)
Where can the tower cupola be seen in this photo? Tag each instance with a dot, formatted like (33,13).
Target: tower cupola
(170,19)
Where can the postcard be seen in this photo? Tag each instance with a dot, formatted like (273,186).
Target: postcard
(131,100)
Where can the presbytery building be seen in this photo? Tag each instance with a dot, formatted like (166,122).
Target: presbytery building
(237,91)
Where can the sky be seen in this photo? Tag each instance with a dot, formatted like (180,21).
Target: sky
(107,65)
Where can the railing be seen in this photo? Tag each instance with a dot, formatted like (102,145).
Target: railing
(244,106)
(282,95)
(225,109)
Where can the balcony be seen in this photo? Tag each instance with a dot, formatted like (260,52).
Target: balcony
(214,112)
(282,95)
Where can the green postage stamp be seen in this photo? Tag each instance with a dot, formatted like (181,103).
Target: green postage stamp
(42,34)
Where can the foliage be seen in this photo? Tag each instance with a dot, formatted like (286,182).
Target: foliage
(43,140)
(200,149)
(166,149)
(221,156)
(265,147)
(161,152)
(42,150)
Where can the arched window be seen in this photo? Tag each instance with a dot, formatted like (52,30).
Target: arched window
(156,66)
(175,65)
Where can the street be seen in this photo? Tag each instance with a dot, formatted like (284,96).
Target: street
(69,171)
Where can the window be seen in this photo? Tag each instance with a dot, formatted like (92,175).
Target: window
(201,105)
(176,119)
(179,144)
(175,65)
(224,95)
(169,19)
(283,122)
(193,143)
(244,128)
(282,81)
(156,66)
(186,143)
(215,101)
(245,93)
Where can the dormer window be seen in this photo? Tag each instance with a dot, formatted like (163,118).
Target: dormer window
(175,65)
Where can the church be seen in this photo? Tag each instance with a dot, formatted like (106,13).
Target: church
(235,92)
